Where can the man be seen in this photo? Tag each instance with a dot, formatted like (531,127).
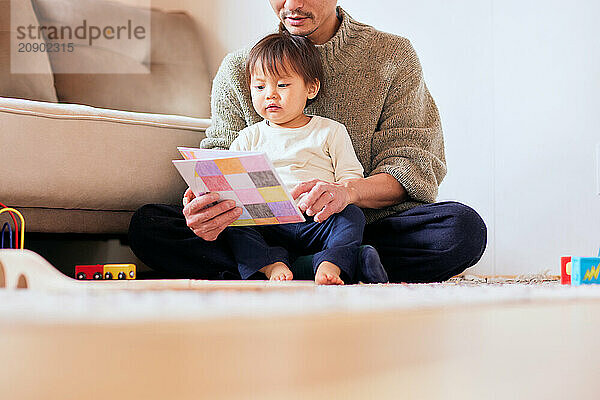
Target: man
(374,86)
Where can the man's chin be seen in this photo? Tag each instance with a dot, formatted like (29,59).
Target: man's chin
(299,30)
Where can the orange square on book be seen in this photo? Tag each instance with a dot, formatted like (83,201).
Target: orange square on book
(230,166)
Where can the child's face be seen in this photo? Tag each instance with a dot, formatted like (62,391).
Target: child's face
(281,99)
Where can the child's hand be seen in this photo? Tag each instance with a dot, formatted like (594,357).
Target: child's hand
(323,199)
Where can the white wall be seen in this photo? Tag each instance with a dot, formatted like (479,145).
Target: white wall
(517,84)
(226,25)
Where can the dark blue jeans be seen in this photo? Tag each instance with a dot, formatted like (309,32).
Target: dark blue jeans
(429,243)
(336,240)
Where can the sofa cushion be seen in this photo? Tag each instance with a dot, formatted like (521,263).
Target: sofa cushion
(64,156)
(32,86)
(55,220)
(82,112)
(177,83)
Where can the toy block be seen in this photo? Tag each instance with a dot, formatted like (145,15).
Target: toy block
(89,272)
(585,270)
(119,271)
(565,270)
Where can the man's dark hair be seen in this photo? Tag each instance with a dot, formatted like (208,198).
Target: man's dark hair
(278,51)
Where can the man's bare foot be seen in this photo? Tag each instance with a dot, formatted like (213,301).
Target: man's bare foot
(277,272)
(328,274)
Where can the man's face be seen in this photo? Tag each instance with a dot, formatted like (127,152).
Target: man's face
(302,18)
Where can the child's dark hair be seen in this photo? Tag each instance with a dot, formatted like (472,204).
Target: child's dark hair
(277,51)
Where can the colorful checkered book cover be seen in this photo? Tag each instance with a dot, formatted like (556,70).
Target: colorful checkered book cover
(246,177)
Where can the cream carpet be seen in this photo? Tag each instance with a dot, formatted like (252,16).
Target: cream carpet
(147,306)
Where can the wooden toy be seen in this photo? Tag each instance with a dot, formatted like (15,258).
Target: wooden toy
(585,270)
(106,271)
(24,269)
(11,212)
(119,271)
(89,272)
(565,270)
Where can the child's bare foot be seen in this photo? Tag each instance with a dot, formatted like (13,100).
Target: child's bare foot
(328,274)
(277,272)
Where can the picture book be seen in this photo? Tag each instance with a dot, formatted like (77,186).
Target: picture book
(248,178)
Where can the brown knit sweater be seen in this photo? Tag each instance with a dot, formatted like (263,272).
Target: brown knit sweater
(374,85)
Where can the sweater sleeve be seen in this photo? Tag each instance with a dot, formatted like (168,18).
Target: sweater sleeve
(228,117)
(409,142)
(343,157)
(241,142)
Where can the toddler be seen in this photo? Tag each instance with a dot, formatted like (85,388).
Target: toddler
(284,73)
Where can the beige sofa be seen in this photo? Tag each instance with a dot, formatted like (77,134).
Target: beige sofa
(81,152)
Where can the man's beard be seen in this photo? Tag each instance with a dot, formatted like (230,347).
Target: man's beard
(284,14)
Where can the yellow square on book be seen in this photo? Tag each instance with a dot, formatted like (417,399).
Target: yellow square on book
(243,222)
(273,194)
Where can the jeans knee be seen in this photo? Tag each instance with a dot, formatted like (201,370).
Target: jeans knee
(140,216)
(135,225)
(140,222)
(468,232)
(354,213)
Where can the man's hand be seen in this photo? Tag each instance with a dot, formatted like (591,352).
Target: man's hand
(205,220)
(322,199)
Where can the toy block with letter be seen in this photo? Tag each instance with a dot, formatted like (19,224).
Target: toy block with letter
(585,270)
(565,270)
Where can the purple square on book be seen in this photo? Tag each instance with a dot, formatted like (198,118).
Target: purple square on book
(207,168)
(255,163)
(282,208)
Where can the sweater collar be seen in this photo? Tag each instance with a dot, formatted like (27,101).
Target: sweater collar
(349,41)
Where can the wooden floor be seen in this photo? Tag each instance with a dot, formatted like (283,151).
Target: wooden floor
(516,351)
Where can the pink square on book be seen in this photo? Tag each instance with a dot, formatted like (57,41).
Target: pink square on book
(216,183)
(249,196)
(289,219)
(255,163)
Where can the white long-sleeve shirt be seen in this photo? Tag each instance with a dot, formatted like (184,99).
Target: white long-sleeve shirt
(321,149)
